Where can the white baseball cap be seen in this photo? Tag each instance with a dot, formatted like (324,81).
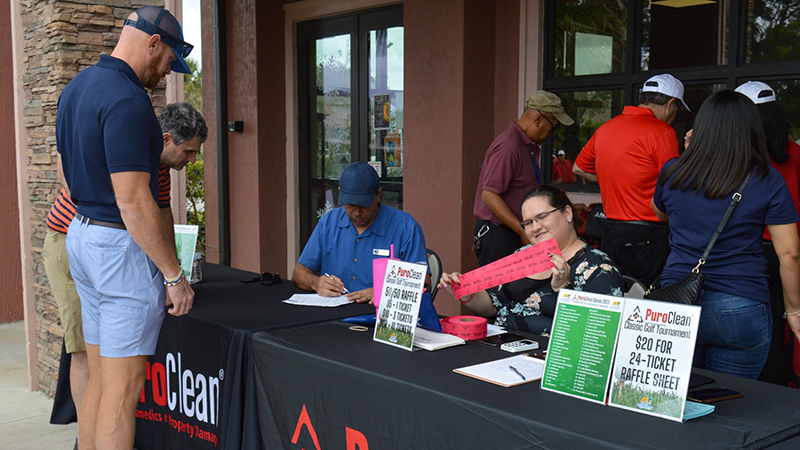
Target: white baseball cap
(562,152)
(757,91)
(666,84)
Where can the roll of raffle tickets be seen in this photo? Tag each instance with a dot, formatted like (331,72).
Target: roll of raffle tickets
(465,327)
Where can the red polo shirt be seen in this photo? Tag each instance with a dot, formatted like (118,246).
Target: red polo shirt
(627,153)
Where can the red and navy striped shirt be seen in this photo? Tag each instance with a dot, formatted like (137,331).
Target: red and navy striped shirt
(63,209)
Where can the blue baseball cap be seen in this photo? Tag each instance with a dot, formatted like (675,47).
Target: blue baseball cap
(358,185)
(154,20)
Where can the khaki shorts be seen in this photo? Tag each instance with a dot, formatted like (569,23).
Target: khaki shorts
(63,287)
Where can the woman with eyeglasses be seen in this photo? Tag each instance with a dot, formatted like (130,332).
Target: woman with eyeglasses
(529,304)
(694,192)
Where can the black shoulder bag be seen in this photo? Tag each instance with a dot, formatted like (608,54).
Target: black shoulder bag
(687,291)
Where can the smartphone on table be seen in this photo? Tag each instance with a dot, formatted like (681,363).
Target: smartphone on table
(499,339)
(711,395)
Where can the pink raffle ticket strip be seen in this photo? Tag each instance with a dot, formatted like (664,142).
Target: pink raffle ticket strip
(534,259)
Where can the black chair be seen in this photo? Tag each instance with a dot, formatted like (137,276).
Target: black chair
(435,265)
(633,288)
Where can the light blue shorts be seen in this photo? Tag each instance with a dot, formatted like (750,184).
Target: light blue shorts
(122,292)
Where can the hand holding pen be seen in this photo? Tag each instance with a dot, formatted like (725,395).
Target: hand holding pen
(330,286)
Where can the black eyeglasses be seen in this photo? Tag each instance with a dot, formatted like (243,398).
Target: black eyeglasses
(538,219)
(554,125)
(267,278)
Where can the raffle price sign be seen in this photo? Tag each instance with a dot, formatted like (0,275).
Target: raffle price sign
(582,344)
(400,300)
(654,357)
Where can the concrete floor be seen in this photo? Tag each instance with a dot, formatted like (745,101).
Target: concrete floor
(25,415)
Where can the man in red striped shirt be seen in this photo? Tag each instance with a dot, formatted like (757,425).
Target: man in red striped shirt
(184,131)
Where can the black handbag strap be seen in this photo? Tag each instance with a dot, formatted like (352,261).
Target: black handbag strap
(735,199)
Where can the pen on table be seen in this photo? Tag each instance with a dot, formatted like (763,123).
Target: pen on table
(345,289)
(517,372)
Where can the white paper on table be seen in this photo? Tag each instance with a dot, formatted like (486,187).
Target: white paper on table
(317,300)
(492,330)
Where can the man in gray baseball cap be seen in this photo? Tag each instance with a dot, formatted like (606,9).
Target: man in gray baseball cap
(337,260)
(510,170)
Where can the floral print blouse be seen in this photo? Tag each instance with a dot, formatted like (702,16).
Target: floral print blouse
(529,305)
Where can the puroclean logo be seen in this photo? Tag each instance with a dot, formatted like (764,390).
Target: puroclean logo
(635,321)
(181,390)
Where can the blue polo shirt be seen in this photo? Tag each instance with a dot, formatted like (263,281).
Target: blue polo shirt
(736,265)
(336,248)
(106,124)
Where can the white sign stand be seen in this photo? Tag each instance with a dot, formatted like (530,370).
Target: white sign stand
(396,321)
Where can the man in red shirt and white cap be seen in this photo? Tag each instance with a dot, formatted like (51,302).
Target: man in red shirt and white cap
(625,156)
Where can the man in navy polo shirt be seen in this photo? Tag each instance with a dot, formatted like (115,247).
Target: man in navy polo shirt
(110,144)
(338,257)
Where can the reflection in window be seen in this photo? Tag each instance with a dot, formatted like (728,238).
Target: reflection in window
(668,31)
(694,95)
(787,91)
(386,111)
(590,110)
(333,96)
(772,30)
(590,37)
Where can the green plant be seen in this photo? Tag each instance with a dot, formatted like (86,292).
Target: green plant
(195,189)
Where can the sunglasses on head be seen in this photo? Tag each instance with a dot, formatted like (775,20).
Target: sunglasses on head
(183,47)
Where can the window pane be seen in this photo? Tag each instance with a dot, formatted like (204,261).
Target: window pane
(590,37)
(772,30)
(694,95)
(590,110)
(786,92)
(331,144)
(684,36)
(386,111)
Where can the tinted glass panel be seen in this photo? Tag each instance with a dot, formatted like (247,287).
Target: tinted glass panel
(386,111)
(684,33)
(772,30)
(590,110)
(331,142)
(590,37)
(787,92)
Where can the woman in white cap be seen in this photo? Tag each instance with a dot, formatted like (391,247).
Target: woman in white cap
(784,155)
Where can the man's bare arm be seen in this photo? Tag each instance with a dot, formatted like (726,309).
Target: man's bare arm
(582,173)
(503,212)
(140,213)
(305,278)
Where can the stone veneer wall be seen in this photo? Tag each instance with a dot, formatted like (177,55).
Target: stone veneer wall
(60,39)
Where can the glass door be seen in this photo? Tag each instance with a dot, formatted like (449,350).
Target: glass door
(350,101)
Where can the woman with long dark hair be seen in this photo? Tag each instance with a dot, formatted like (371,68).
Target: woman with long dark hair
(693,192)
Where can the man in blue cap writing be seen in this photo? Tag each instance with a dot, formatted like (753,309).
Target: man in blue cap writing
(121,260)
(338,257)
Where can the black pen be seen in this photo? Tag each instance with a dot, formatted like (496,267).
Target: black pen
(517,372)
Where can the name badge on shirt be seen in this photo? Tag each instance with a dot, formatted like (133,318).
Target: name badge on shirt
(380,252)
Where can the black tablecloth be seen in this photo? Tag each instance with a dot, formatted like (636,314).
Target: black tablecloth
(199,390)
(329,385)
